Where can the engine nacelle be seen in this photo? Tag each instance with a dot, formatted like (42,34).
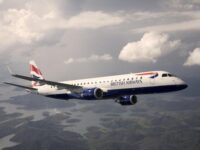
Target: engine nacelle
(127,100)
(94,93)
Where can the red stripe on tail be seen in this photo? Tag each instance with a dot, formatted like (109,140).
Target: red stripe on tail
(36,70)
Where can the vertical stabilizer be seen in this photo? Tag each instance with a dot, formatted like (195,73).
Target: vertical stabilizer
(35,73)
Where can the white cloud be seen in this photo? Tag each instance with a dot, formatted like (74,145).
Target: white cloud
(22,24)
(180,26)
(144,15)
(92,58)
(151,46)
(33,22)
(23,27)
(27,25)
(184,4)
(1,1)
(194,58)
(171,21)
(93,20)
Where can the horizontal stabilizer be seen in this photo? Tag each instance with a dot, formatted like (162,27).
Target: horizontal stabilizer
(21,86)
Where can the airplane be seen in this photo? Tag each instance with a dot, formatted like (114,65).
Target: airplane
(122,88)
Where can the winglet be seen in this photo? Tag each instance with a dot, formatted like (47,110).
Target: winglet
(9,70)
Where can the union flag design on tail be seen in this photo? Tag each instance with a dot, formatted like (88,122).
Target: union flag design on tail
(35,73)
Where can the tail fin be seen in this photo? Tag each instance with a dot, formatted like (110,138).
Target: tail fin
(35,73)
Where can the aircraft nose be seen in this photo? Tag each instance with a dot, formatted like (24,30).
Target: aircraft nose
(181,84)
(184,86)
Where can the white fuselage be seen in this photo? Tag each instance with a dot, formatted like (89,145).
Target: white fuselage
(119,85)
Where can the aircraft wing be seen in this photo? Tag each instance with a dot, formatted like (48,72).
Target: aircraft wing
(59,85)
(21,86)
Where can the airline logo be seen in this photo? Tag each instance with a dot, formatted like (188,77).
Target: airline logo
(36,73)
(151,75)
(35,70)
(126,83)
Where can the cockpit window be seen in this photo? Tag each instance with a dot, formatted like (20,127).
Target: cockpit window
(168,75)
(164,75)
(171,75)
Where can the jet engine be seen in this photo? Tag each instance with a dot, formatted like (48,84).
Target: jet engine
(94,93)
(127,100)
